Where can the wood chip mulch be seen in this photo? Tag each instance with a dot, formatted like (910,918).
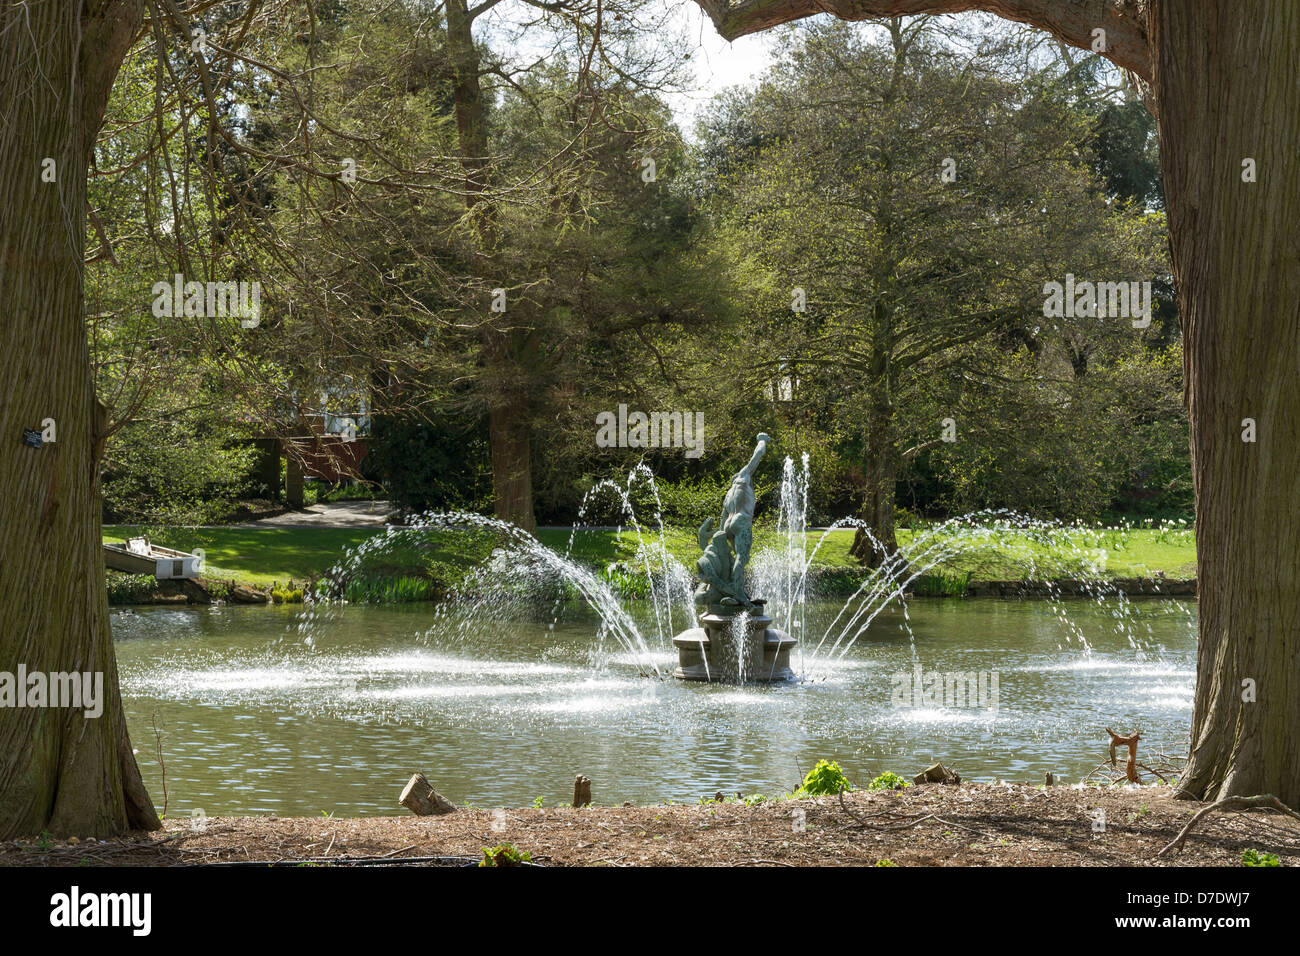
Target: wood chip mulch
(974,824)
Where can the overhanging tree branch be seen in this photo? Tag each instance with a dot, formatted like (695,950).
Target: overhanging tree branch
(1127,38)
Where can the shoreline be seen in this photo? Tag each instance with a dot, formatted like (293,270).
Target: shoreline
(204,591)
(970,824)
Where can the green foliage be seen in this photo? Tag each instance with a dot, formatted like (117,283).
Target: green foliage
(504,855)
(923,298)
(888,781)
(625,580)
(124,588)
(826,778)
(886,863)
(182,469)
(377,588)
(289,595)
(1126,155)
(941,584)
(431,465)
(1253,857)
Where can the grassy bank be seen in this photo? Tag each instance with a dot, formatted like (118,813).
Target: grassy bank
(262,556)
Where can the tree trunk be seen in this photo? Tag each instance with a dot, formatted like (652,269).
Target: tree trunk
(512,468)
(509,415)
(60,770)
(1224,82)
(881,478)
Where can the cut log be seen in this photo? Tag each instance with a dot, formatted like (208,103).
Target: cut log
(422,800)
(581,791)
(937,773)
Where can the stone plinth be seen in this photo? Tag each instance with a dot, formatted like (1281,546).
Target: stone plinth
(717,651)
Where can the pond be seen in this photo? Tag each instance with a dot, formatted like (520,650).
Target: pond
(253,719)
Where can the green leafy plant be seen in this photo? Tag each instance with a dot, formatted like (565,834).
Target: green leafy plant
(385,589)
(942,584)
(289,595)
(126,588)
(824,779)
(888,781)
(504,855)
(537,803)
(886,863)
(1254,857)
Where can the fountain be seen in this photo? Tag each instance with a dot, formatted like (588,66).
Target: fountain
(736,641)
(730,636)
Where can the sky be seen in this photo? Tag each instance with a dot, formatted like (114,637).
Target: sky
(717,64)
(679,24)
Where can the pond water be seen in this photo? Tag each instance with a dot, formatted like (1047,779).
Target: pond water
(253,719)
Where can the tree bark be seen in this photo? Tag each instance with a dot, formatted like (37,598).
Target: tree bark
(1071,21)
(880,480)
(1224,83)
(60,770)
(1223,90)
(420,798)
(510,435)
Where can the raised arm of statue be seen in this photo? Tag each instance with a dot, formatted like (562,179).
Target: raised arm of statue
(740,496)
(759,451)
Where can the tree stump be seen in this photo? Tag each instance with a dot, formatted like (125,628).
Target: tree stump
(937,773)
(422,800)
(581,791)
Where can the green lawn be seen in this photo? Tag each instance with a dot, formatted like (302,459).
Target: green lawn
(261,556)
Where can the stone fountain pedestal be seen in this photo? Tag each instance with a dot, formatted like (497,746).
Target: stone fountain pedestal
(711,652)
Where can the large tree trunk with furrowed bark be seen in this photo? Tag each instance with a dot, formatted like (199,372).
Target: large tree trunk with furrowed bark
(1223,88)
(1225,82)
(60,770)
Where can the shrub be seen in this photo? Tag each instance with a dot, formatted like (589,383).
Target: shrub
(888,781)
(126,588)
(825,779)
(504,855)
(1254,857)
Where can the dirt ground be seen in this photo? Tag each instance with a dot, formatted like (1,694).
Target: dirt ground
(932,825)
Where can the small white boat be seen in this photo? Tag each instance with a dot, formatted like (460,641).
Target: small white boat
(138,556)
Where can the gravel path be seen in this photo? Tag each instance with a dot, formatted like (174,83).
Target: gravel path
(331,514)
